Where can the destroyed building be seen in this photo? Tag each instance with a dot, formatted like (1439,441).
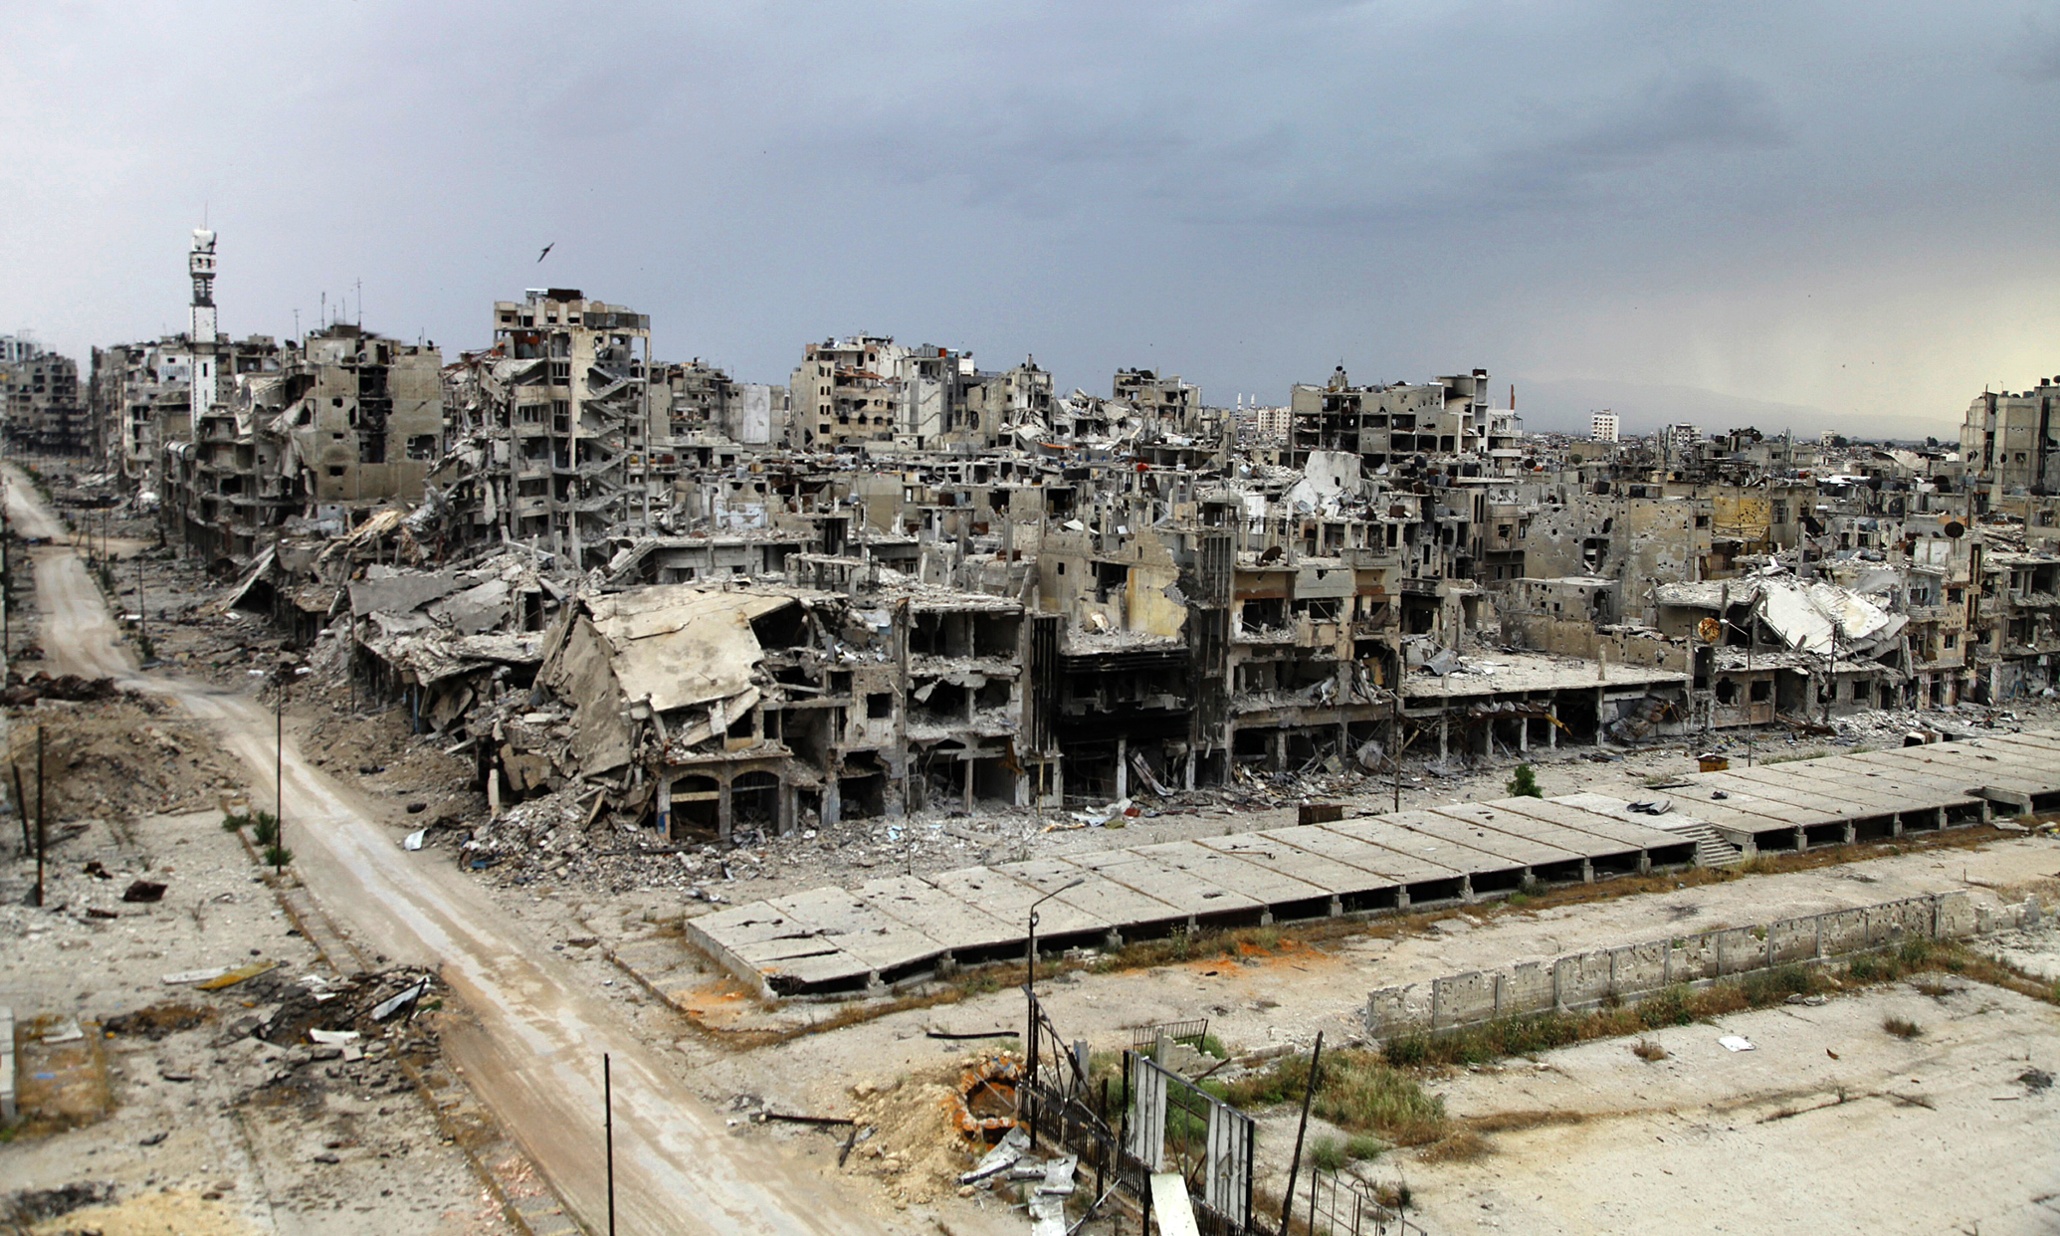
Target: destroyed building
(906,584)
(39,398)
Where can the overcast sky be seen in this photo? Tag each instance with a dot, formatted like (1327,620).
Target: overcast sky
(1847,209)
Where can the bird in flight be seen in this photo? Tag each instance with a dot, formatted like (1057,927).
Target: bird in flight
(547,251)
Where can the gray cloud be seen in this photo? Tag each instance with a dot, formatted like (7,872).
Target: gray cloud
(1241,191)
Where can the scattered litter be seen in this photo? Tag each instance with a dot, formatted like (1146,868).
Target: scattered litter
(1000,1159)
(66,1031)
(229,978)
(1736,1042)
(385,1009)
(332,1038)
(414,840)
(144,890)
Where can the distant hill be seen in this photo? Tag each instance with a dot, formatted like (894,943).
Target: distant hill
(1563,406)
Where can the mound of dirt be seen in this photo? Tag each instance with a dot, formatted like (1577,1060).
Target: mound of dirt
(916,1147)
(124,756)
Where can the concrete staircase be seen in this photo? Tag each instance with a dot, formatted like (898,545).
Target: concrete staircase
(1711,850)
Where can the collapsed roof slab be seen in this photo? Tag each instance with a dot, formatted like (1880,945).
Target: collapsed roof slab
(1236,870)
(1913,777)
(1897,782)
(1596,820)
(929,909)
(1486,845)
(1428,838)
(1006,898)
(883,943)
(1494,821)
(832,941)
(1777,799)
(1386,867)
(1146,873)
(1815,789)
(1300,864)
(1736,812)
(1113,903)
(774,951)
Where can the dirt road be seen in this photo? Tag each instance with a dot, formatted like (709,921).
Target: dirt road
(535,1054)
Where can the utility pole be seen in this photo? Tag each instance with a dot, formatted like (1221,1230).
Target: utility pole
(608,1129)
(42,818)
(1395,738)
(279,771)
(142,611)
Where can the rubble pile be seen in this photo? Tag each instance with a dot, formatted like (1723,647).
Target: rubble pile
(23,692)
(129,754)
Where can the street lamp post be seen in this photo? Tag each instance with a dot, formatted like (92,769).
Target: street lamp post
(1029,1089)
(1030,964)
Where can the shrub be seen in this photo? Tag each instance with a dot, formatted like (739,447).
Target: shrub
(277,856)
(1901,1027)
(1360,1147)
(1326,1154)
(1648,1051)
(1524,784)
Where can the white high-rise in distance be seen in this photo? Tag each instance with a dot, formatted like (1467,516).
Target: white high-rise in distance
(1603,426)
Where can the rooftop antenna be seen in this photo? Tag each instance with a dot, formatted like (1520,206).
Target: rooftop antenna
(361,304)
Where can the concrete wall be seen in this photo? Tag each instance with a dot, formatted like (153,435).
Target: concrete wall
(1584,980)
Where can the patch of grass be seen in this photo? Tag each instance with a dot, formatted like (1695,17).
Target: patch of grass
(1326,1154)
(1395,1197)
(1462,1147)
(278,856)
(1360,1148)
(1210,1045)
(1648,1051)
(1359,1092)
(1937,989)
(1902,1027)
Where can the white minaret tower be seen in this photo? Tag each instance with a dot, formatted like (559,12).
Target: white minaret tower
(200,263)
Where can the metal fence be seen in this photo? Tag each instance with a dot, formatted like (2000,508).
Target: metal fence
(1164,1122)
(1342,1205)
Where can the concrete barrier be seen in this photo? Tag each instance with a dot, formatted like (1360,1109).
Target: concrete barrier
(1588,979)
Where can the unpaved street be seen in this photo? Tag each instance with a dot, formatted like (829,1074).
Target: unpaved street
(535,1052)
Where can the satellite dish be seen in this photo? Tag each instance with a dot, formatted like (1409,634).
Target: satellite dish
(1708,630)
(1954,529)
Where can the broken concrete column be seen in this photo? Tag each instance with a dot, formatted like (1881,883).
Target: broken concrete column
(1122,768)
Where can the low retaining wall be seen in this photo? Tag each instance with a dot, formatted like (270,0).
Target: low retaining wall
(1587,980)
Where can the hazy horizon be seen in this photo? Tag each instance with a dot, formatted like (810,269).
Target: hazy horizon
(1832,208)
